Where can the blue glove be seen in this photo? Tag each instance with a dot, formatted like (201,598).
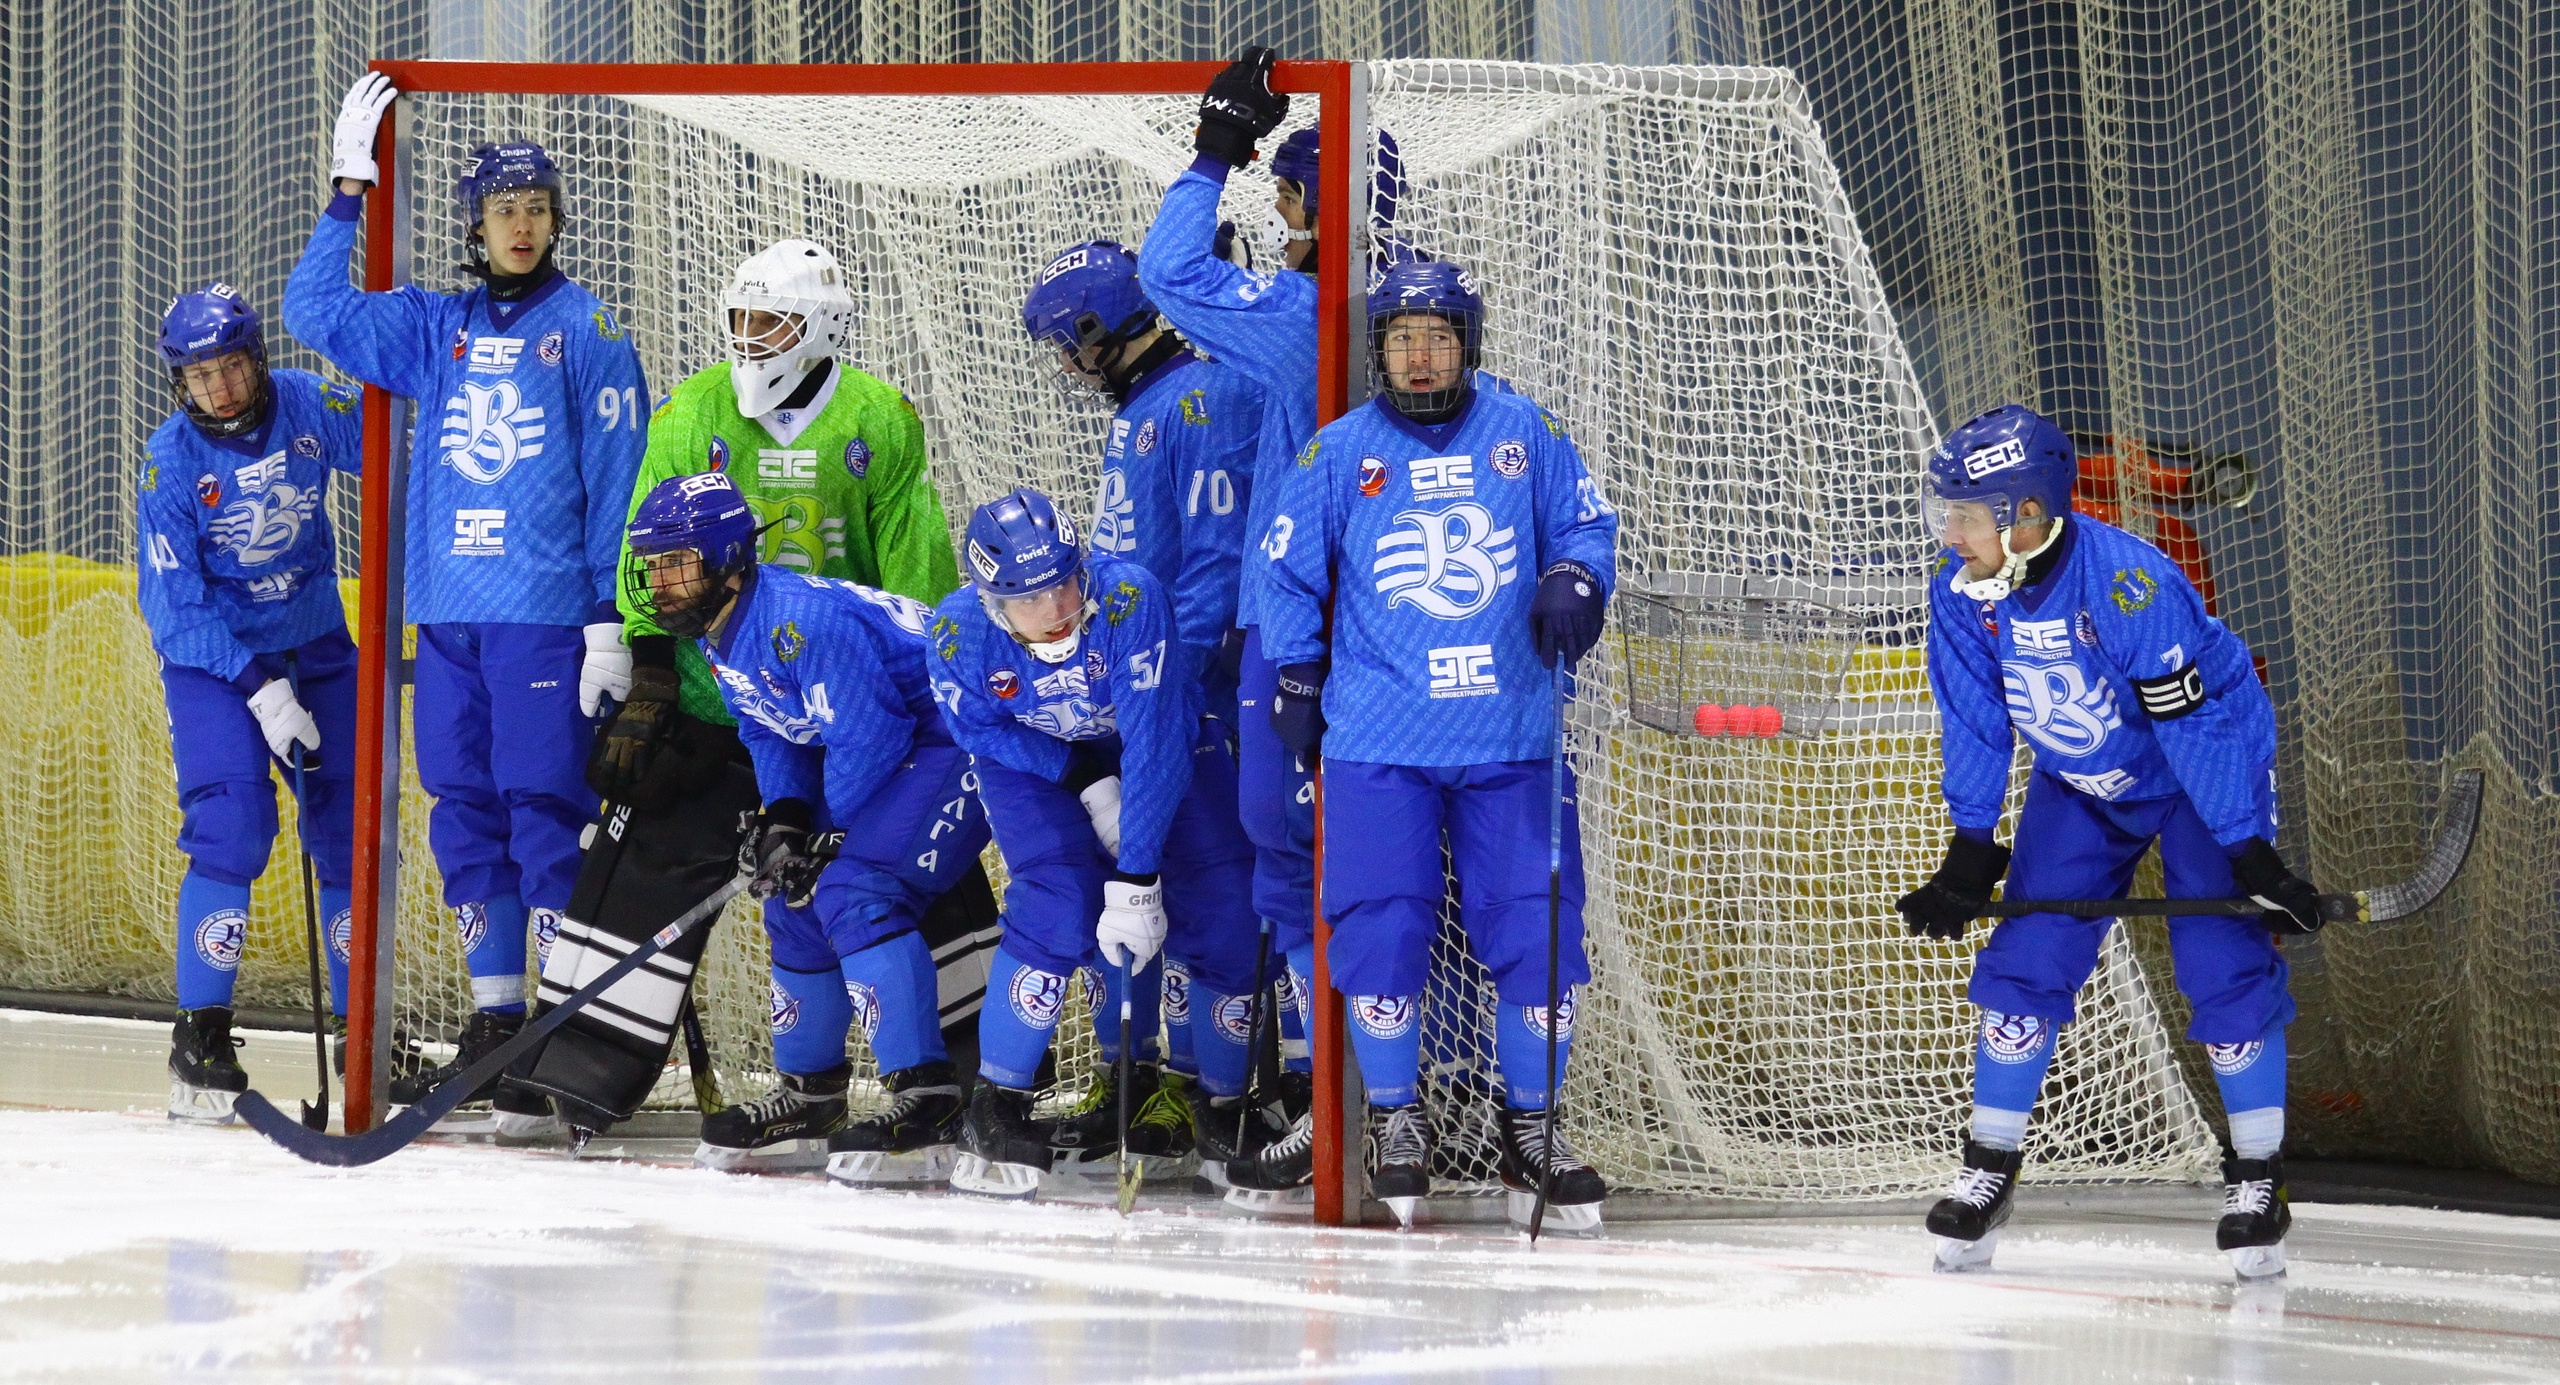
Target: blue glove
(1565,618)
(1297,709)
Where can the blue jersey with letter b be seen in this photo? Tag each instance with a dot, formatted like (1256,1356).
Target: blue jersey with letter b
(528,439)
(1439,535)
(1004,705)
(236,554)
(1177,477)
(829,683)
(2113,670)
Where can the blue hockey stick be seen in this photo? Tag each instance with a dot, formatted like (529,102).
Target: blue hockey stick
(1555,946)
(395,1134)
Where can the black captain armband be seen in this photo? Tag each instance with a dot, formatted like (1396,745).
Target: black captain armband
(2171,695)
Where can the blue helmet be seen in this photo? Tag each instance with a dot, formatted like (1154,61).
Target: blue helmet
(1442,290)
(2002,459)
(497,168)
(208,324)
(1019,545)
(1299,161)
(1088,299)
(705,513)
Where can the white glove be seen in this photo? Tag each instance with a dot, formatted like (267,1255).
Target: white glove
(281,719)
(1101,800)
(351,147)
(1132,926)
(607,671)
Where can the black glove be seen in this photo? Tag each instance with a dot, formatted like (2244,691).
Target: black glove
(1959,892)
(1297,708)
(1225,667)
(2292,905)
(632,739)
(782,854)
(1234,249)
(1239,108)
(1565,617)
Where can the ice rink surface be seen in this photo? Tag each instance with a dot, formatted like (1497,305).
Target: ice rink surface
(131,1249)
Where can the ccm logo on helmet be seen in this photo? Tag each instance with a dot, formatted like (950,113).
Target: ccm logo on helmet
(1999,456)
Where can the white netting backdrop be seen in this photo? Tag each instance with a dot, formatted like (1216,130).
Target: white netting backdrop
(1672,269)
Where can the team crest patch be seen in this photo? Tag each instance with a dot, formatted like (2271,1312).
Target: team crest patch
(2084,629)
(1177,992)
(1146,437)
(209,489)
(306,445)
(606,328)
(788,642)
(1373,477)
(1122,600)
(2014,1039)
(866,1008)
(2231,1060)
(1004,683)
(220,937)
(551,348)
(342,935)
(1037,997)
(857,458)
(1535,1017)
(1234,1018)
(472,922)
(546,931)
(2133,589)
(1384,1016)
(1094,669)
(1991,619)
(338,399)
(1096,991)
(719,453)
(786,1010)
(1510,458)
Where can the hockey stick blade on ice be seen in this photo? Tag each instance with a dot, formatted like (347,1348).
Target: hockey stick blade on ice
(395,1134)
(2383,904)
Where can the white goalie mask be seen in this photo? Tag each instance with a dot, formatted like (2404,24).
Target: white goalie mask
(800,283)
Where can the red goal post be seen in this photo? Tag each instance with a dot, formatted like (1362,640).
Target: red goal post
(1337,87)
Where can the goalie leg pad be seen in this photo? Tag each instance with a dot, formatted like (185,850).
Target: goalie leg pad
(642,872)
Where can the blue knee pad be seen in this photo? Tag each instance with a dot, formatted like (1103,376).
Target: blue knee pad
(811,1012)
(1179,1051)
(1386,1035)
(338,927)
(229,829)
(2010,1058)
(896,999)
(1520,1050)
(493,932)
(2251,1075)
(213,930)
(1020,1016)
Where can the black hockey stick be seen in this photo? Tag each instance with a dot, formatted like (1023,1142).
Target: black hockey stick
(1129,1172)
(1555,946)
(1253,1032)
(697,1056)
(2384,904)
(395,1134)
(315,1114)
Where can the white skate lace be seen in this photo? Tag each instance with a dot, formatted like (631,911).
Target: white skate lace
(1302,1134)
(782,1101)
(1533,1143)
(1402,1140)
(2248,1197)
(1977,1187)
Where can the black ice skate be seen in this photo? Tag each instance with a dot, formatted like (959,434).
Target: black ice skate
(1089,1133)
(205,1075)
(1968,1219)
(1468,1143)
(786,1129)
(2256,1213)
(1400,1159)
(1280,1180)
(911,1142)
(1163,1133)
(1234,1129)
(1001,1154)
(514,1113)
(1574,1189)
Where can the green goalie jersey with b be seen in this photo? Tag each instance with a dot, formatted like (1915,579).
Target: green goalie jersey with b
(847,497)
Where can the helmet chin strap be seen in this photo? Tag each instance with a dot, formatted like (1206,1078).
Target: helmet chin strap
(1046,651)
(2013,568)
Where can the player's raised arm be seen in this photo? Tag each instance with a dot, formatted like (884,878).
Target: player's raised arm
(380,338)
(2089,642)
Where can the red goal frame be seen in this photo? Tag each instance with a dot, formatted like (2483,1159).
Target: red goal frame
(1340,89)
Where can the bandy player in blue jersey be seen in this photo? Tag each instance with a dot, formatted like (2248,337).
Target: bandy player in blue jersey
(2148,725)
(531,410)
(1466,553)
(1177,478)
(238,582)
(1262,324)
(1112,800)
(869,816)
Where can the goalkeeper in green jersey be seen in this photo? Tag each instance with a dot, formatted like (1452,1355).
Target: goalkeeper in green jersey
(832,460)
